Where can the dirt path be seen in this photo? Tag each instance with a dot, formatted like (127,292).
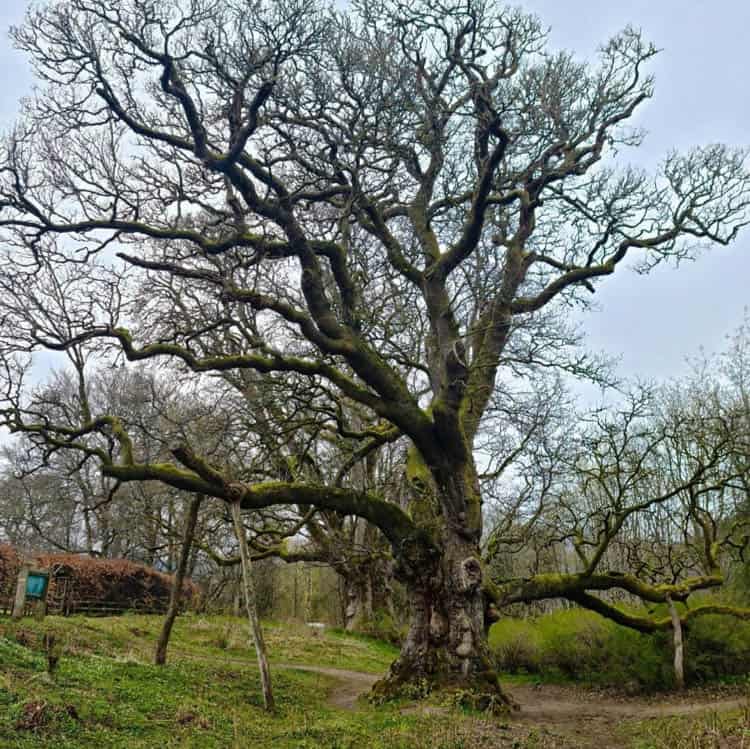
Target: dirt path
(589,720)
(547,703)
(570,717)
(349,684)
(567,717)
(348,687)
(575,717)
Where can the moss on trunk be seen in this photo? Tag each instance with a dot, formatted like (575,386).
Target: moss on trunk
(446,643)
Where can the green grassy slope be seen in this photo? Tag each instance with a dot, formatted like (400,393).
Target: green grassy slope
(106,694)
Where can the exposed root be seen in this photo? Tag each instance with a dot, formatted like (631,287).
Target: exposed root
(479,692)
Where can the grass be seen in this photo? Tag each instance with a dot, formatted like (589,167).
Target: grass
(228,638)
(730,730)
(106,694)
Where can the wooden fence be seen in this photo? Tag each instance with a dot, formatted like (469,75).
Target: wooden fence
(63,599)
(86,607)
(93,607)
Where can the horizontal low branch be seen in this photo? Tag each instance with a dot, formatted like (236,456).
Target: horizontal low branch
(569,585)
(392,521)
(576,587)
(648,624)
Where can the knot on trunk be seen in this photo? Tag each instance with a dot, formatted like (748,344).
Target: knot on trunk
(438,626)
(465,638)
(469,574)
(235,491)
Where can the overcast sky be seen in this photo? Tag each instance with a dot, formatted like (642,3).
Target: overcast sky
(654,322)
(651,322)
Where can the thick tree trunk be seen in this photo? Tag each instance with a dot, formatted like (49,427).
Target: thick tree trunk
(175,596)
(252,608)
(446,627)
(446,644)
(368,594)
(359,612)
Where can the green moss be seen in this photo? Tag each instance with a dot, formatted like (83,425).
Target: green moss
(422,507)
(416,468)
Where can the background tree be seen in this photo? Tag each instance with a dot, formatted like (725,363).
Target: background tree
(188,534)
(644,516)
(327,186)
(55,501)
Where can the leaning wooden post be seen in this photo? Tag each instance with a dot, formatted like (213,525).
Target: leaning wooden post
(175,595)
(252,607)
(679,669)
(19,603)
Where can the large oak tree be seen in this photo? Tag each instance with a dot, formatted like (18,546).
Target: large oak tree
(379,201)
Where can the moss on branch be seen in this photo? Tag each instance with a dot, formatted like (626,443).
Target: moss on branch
(576,587)
(566,585)
(392,521)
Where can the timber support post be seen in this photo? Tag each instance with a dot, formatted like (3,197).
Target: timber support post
(252,607)
(19,602)
(679,665)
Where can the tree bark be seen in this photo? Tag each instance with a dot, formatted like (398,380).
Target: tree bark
(175,596)
(252,609)
(19,602)
(679,668)
(359,612)
(446,644)
(367,593)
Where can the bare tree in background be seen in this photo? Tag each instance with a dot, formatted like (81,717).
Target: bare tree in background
(646,506)
(51,499)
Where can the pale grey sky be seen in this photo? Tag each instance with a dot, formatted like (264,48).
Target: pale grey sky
(652,322)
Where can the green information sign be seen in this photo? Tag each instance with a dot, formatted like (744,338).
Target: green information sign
(36,585)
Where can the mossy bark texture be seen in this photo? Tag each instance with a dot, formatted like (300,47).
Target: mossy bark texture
(446,643)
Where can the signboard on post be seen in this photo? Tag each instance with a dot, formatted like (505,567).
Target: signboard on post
(36,585)
(32,585)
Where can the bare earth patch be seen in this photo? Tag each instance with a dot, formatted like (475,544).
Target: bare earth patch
(590,719)
(561,717)
(349,684)
(557,703)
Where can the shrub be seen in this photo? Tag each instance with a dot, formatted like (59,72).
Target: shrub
(717,647)
(115,583)
(574,644)
(118,583)
(582,646)
(517,645)
(10,563)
